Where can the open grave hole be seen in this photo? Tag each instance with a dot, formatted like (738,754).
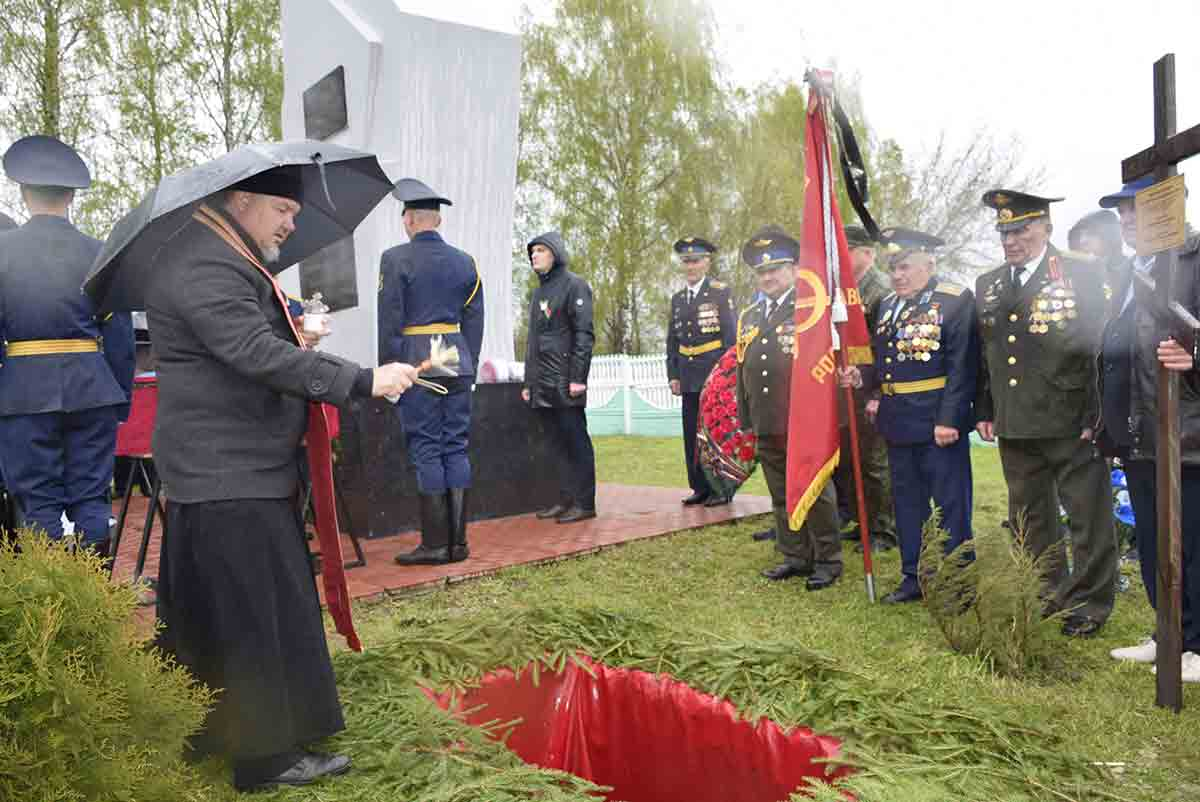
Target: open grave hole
(651,738)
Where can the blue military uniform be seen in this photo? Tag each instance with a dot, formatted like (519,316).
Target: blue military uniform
(66,373)
(701,330)
(430,291)
(926,367)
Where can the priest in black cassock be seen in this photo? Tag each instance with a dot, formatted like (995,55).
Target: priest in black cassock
(236,595)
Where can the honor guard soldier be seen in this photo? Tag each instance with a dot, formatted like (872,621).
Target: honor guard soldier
(923,387)
(766,341)
(430,301)
(700,331)
(67,371)
(1040,318)
(873,287)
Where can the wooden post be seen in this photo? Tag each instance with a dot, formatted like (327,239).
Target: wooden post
(1169,687)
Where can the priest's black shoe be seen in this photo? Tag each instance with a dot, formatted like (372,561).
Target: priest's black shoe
(822,578)
(576,514)
(1080,626)
(311,767)
(695,498)
(552,512)
(716,500)
(766,534)
(784,571)
(904,593)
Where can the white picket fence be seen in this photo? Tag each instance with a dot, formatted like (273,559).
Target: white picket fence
(645,376)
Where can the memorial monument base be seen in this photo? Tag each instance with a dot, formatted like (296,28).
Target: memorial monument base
(514,470)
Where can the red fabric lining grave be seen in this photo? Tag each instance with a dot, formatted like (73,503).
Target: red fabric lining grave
(652,738)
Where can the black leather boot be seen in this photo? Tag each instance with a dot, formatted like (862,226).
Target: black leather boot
(456,498)
(435,533)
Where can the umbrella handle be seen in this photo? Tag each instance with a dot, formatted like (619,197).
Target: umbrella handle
(320,162)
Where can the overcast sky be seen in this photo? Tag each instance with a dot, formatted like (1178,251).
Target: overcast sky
(1071,79)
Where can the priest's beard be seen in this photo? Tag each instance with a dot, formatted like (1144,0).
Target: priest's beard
(271,255)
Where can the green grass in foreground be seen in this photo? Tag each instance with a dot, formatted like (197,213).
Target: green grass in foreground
(699,593)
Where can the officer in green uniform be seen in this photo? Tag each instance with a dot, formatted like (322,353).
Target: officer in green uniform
(698,335)
(765,347)
(873,287)
(1040,318)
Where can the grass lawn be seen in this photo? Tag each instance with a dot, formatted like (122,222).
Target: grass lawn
(702,588)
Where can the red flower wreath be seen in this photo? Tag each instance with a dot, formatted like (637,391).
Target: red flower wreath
(726,451)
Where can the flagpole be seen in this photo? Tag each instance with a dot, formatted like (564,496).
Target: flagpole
(838,320)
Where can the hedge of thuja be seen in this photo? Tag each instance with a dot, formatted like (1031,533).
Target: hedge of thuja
(88,710)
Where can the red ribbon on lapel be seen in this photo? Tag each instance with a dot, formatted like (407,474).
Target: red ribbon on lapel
(320,455)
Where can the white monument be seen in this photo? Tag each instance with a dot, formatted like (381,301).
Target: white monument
(434,100)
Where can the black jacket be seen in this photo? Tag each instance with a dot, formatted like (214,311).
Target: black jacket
(233,387)
(766,353)
(1129,368)
(559,351)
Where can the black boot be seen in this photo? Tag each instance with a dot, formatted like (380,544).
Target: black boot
(435,533)
(456,500)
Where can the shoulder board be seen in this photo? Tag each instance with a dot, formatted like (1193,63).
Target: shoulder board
(949,288)
(718,285)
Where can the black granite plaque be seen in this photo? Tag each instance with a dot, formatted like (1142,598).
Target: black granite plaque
(332,271)
(325,106)
(513,467)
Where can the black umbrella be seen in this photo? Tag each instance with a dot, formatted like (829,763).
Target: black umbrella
(341,187)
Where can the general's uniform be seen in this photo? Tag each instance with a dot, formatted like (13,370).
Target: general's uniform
(66,372)
(1039,388)
(925,375)
(700,331)
(766,339)
(431,293)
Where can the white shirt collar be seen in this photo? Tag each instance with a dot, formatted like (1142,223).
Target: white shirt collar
(1032,265)
(694,289)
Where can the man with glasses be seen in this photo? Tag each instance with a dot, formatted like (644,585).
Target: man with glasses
(1040,318)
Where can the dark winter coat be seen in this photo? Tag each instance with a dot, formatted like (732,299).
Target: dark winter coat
(559,350)
(233,386)
(1129,367)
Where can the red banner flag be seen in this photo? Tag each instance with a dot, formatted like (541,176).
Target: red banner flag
(826,294)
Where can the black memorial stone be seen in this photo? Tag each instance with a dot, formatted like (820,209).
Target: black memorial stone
(514,471)
(325,106)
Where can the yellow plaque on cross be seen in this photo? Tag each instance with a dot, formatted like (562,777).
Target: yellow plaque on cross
(1161,216)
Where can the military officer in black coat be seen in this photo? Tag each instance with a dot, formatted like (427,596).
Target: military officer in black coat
(431,297)
(766,350)
(67,371)
(700,331)
(922,389)
(1040,321)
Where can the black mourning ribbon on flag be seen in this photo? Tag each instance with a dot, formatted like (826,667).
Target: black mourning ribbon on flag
(853,171)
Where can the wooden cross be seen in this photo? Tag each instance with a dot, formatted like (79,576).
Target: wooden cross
(1168,150)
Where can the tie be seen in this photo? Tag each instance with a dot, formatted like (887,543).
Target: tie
(1018,272)
(770,307)
(691,296)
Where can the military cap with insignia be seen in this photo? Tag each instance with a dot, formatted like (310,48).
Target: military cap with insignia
(44,161)
(858,237)
(690,248)
(900,242)
(1015,210)
(770,248)
(418,195)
